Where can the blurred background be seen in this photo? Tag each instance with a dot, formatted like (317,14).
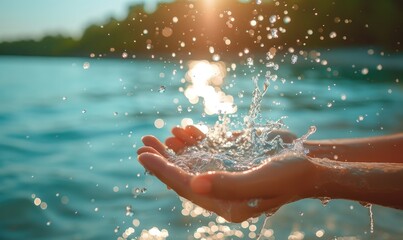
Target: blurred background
(82,82)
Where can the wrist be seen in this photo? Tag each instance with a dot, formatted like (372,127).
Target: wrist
(331,177)
(330,149)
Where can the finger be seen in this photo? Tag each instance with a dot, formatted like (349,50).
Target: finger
(153,142)
(184,136)
(171,175)
(176,179)
(195,132)
(175,144)
(147,149)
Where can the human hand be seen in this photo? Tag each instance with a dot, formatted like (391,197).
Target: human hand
(230,195)
(190,135)
(181,182)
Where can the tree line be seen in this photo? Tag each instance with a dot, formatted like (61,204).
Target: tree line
(184,28)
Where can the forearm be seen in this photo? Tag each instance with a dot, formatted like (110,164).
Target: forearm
(375,149)
(377,183)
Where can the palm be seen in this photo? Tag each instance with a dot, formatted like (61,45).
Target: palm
(273,184)
(180,181)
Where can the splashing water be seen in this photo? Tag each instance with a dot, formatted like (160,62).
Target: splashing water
(227,150)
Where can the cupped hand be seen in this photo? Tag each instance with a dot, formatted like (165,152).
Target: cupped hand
(190,135)
(234,196)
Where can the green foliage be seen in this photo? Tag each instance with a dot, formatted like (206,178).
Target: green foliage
(375,23)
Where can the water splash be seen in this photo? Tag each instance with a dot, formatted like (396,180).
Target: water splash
(371,215)
(228,150)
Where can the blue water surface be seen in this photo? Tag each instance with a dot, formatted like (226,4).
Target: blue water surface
(69,135)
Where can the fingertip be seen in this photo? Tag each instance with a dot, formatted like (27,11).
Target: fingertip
(175,144)
(140,151)
(195,132)
(147,138)
(151,161)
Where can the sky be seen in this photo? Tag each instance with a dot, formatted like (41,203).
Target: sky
(32,19)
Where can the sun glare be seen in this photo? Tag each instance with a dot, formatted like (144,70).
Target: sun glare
(205,80)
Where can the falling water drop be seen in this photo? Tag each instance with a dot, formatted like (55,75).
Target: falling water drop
(273,19)
(162,89)
(129,210)
(86,65)
(287,19)
(294,58)
(274,32)
(325,200)
(371,215)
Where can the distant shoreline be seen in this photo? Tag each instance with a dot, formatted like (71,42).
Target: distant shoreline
(338,24)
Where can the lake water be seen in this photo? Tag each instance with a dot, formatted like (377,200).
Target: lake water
(69,135)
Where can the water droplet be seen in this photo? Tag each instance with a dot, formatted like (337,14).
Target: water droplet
(320,233)
(273,19)
(364,71)
(274,32)
(129,211)
(286,19)
(253,203)
(162,89)
(86,65)
(48,223)
(343,97)
(333,35)
(253,23)
(294,59)
(64,98)
(249,61)
(216,57)
(325,200)
(167,32)
(371,215)
(83,111)
(116,229)
(159,123)
(115,113)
